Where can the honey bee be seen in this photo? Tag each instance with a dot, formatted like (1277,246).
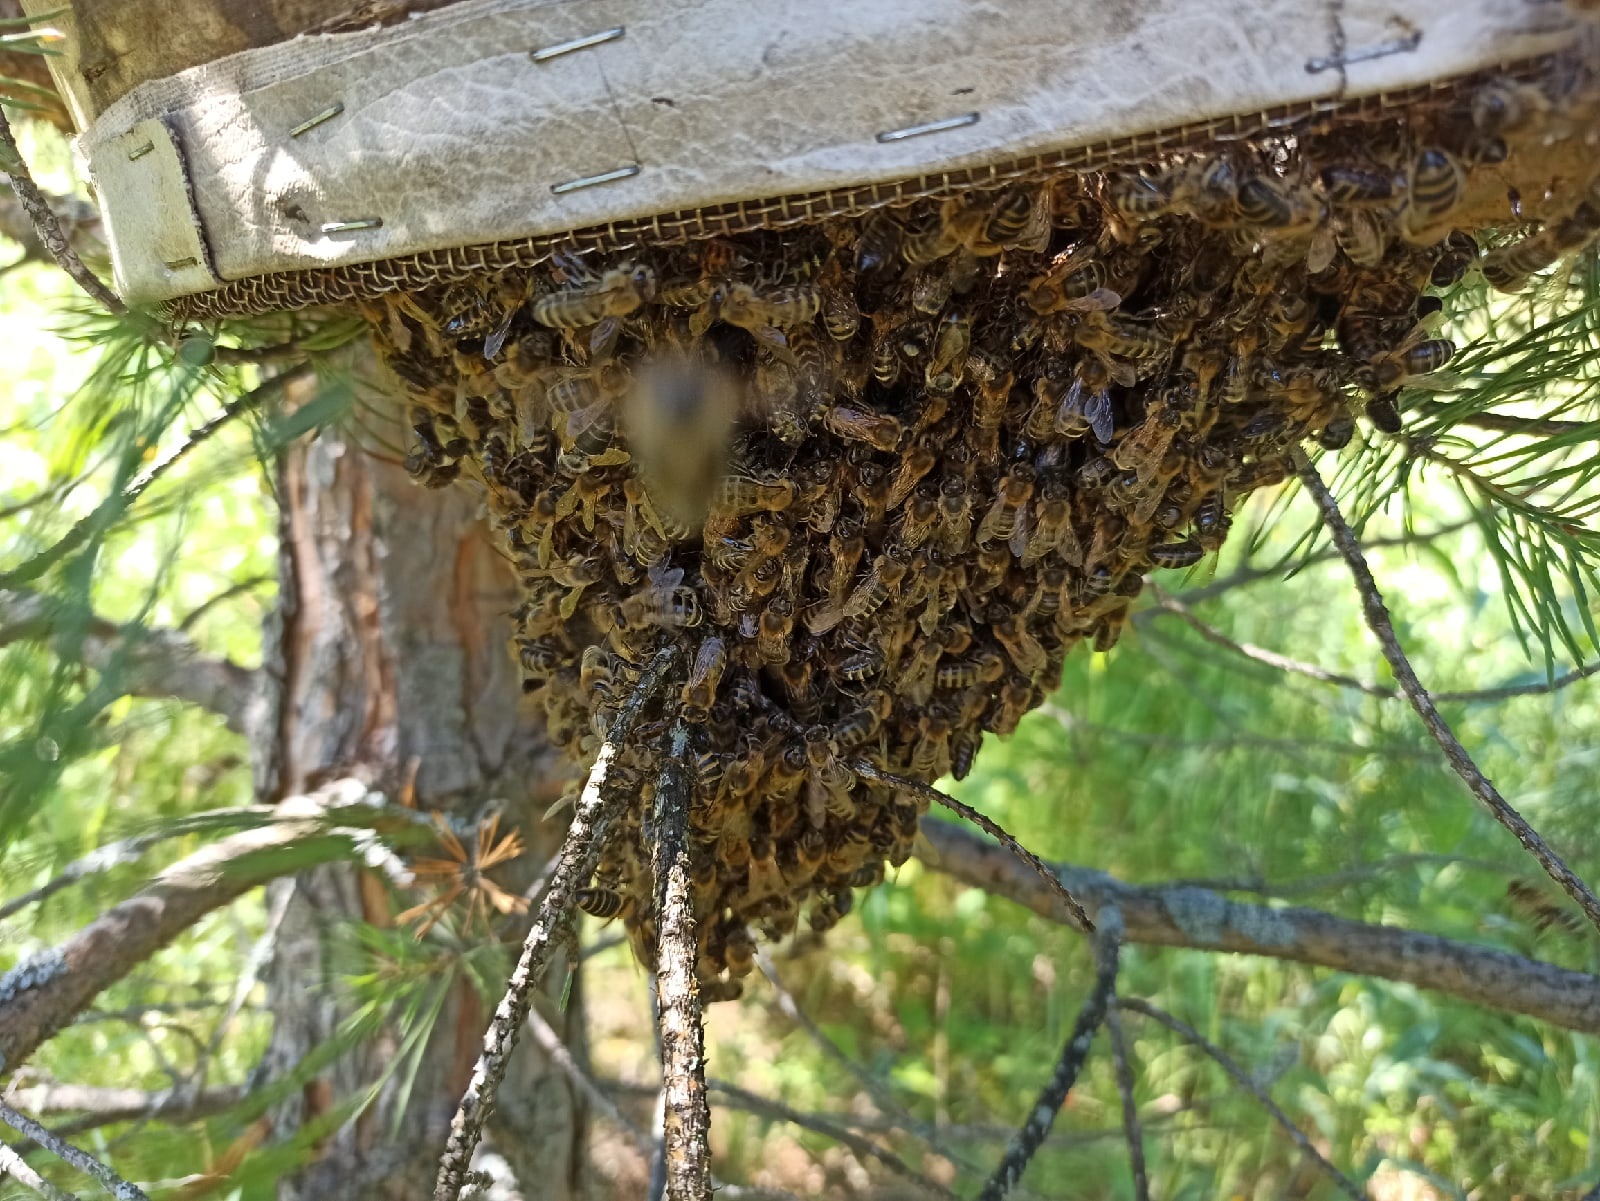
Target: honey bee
(878,247)
(840,314)
(887,573)
(772,635)
(885,356)
(617,293)
(828,781)
(1144,448)
(663,602)
(700,690)
(1086,406)
(1434,183)
(1277,206)
(1456,253)
(1184,553)
(877,430)
(955,515)
(1362,236)
(1358,186)
(859,725)
(604,903)
(1114,338)
(950,347)
(1508,268)
(1000,521)
(1416,356)
(960,225)
(1075,284)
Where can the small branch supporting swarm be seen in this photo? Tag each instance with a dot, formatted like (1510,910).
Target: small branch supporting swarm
(1108,943)
(82,1160)
(1382,627)
(46,225)
(687,1118)
(573,865)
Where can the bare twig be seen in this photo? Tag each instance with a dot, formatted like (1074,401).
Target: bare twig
(882,1096)
(46,225)
(687,1123)
(14,1166)
(1162,915)
(1378,621)
(82,1160)
(863,1147)
(1242,1078)
(1107,944)
(575,861)
(558,1053)
(1167,602)
(1131,1128)
(96,1106)
(988,825)
(1262,655)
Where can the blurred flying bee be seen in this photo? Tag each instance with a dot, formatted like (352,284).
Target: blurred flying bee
(678,419)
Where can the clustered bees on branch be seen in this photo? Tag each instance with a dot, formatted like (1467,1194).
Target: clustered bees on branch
(878,475)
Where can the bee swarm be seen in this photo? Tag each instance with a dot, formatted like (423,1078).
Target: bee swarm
(879,475)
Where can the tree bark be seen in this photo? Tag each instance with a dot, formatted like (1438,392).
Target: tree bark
(389,659)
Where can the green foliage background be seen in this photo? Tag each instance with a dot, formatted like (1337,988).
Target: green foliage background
(1170,758)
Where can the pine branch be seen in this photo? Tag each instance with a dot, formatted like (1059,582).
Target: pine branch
(1243,1080)
(46,225)
(1506,423)
(108,1106)
(1131,1128)
(41,995)
(868,771)
(1383,629)
(687,1122)
(127,850)
(82,1160)
(575,861)
(144,662)
(16,1168)
(1158,915)
(1107,943)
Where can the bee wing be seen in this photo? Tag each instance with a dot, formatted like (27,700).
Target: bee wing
(1020,532)
(1102,420)
(603,338)
(1035,235)
(1324,245)
(1101,300)
(774,341)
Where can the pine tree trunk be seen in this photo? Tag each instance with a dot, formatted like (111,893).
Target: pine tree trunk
(390,655)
